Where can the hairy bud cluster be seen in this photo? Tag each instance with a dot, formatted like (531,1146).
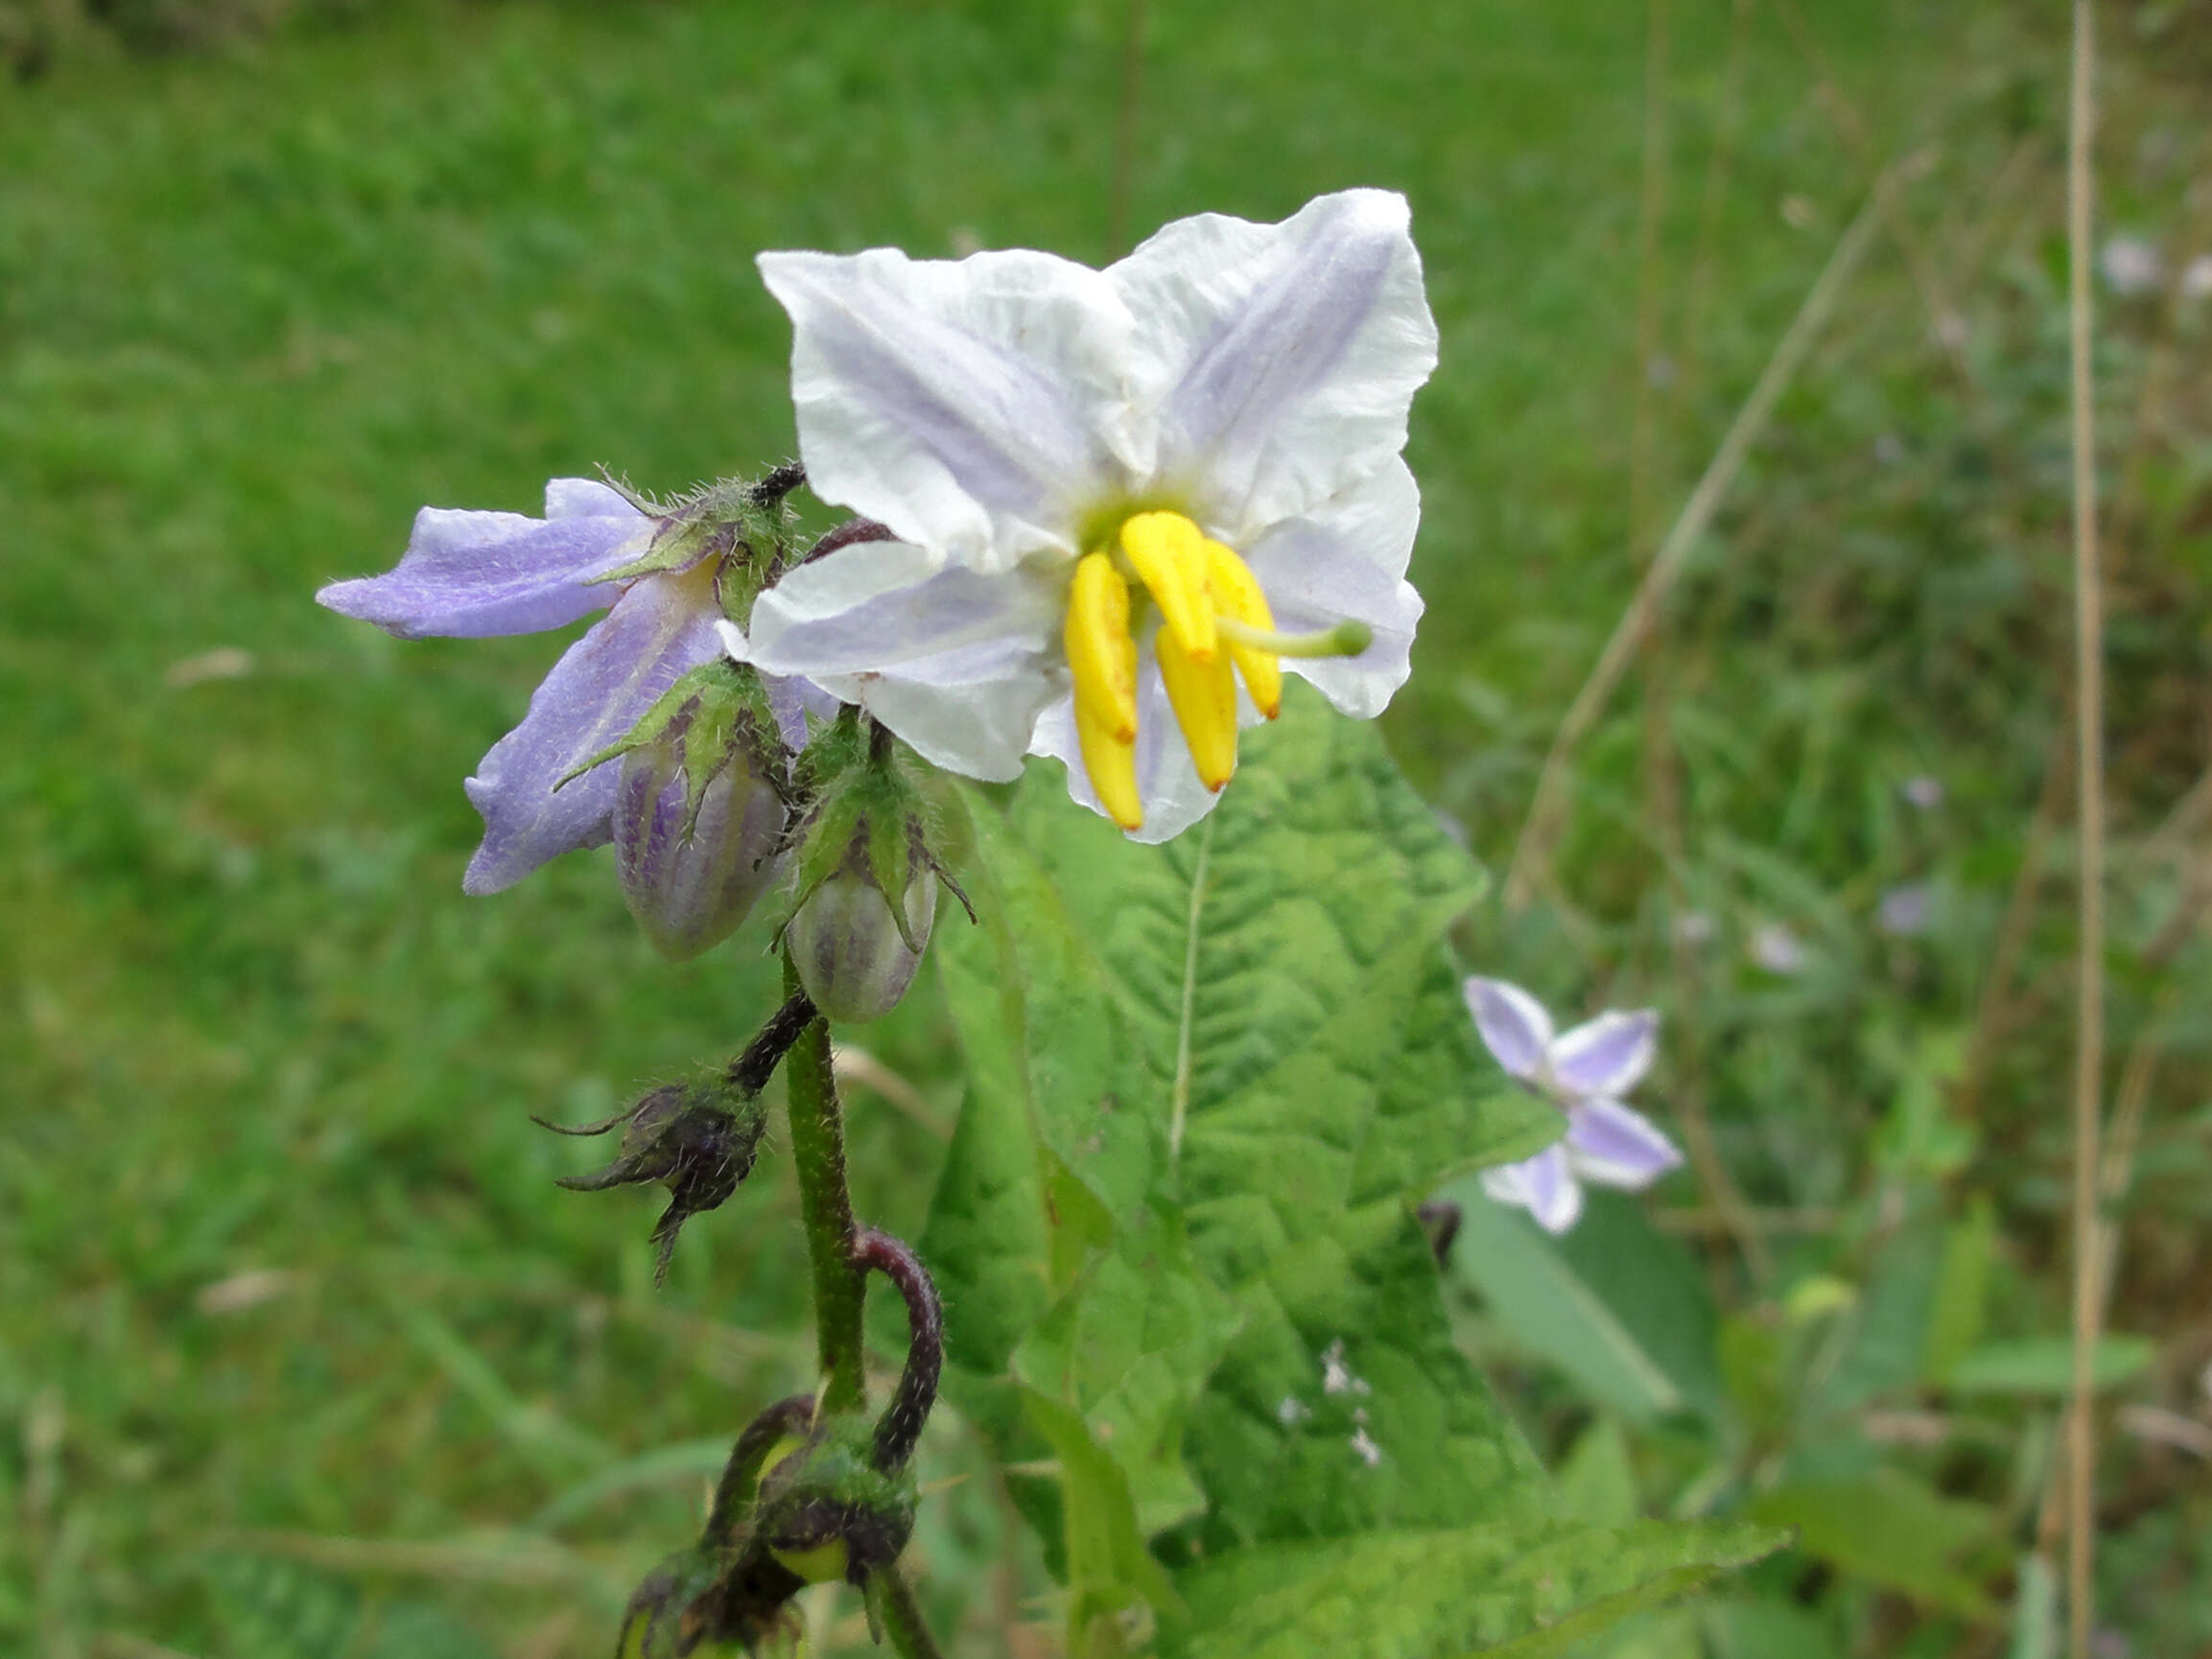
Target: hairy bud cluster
(802,1500)
(867,873)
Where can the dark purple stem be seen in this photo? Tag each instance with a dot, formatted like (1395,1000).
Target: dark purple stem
(900,1425)
(750,1071)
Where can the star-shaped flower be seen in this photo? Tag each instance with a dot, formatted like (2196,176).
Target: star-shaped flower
(1583,1072)
(1124,501)
(689,874)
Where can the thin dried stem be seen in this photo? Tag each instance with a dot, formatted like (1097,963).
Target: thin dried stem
(1546,809)
(1944,320)
(2090,972)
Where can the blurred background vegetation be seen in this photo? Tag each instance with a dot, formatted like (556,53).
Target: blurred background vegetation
(300,1352)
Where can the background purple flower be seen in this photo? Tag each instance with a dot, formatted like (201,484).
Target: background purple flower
(1583,1072)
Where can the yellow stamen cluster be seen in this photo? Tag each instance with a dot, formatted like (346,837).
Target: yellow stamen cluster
(1207,596)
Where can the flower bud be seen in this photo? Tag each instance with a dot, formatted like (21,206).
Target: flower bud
(698,1139)
(854,955)
(690,876)
(702,1602)
(867,876)
(698,813)
(826,1511)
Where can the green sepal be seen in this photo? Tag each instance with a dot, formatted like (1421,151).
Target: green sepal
(725,520)
(653,722)
(719,696)
(867,811)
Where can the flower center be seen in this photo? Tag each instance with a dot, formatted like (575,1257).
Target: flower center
(1215,628)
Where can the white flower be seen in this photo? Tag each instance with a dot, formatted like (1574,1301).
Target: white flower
(1583,1072)
(1124,500)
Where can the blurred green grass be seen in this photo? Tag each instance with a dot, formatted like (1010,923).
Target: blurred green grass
(256,308)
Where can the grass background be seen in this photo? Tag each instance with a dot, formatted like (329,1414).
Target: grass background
(300,1353)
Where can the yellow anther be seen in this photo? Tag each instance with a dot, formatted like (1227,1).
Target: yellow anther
(1167,551)
(1204,697)
(1235,592)
(1100,652)
(1102,658)
(1111,763)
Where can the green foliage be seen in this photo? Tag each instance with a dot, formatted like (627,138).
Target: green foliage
(1627,1313)
(1207,1083)
(265,1075)
(1525,1589)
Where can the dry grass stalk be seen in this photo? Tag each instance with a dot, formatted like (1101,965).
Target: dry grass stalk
(2089,974)
(1546,809)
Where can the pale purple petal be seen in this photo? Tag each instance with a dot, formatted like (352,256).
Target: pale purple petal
(1347,561)
(957,663)
(1605,1056)
(1513,1025)
(663,625)
(1614,1145)
(793,699)
(690,893)
(974,406)
(1287,353)
(1543,1185)
(471,575)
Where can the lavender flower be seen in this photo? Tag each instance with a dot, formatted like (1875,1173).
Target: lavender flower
(1583,1072)
(473,575)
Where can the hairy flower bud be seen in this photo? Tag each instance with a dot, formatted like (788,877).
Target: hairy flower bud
(700,1603)
(867,876)
(698,814)
(826,1511)
(692,877)
(854,955)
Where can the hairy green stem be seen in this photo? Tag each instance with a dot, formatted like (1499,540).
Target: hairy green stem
(826,1207)
(903,1623)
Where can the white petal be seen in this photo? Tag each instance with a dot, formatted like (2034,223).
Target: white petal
(1543,1185)
(1609,1144)
(974,406)
(1346,560)
(1607,1055)
(957,663)
(1513,1025)
(1167,785)
(1287,355)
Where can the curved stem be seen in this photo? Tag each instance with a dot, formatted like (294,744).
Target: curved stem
(740,1482)
(901,1424)
(825,1207)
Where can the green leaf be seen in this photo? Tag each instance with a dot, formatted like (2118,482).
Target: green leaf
(1962,1290)
(1128,1348)
(1207,1083)
(1748,1628)
(1890,1530)
(2044,1365)
(1114,1583)
(2034,1610)
(1887,1334)
(1596,1481)
(1546,1307)
(1519,1588)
